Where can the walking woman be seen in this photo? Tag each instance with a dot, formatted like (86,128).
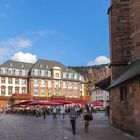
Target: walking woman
(86,116)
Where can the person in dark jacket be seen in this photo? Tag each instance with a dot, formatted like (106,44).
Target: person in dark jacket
(86,115)
(44,113)
(72,116)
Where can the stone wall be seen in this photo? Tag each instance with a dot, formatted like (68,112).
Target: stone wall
(120,35)
(125,114)
(135,20)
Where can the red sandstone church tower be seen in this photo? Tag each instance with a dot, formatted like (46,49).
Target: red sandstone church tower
(120,35)
(124,21)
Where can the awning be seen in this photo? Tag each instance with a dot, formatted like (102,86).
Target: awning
(104,84)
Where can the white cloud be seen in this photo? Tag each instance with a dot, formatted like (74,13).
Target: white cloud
(17,43)
(24,57)
(12,46)
(99,60)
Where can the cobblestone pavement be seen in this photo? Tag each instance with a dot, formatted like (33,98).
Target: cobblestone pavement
(19,127)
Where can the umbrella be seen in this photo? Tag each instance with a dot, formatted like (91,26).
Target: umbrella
(62,101)
(24,102)
(49,103)
(36,102)
(43,103)
(97,103)
(80,102)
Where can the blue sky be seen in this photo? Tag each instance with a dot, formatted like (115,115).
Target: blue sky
(74,32)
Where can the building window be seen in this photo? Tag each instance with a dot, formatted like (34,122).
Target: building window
(42,73)
(9,71)
(39,73)
(76,84)
(64,92)
(49,92)
(3,70)
(10,64)
(57,84)
(43,82)
(16,81)
(10,80)
(35,81)
(49,83)
(35,72)
(3,80)
(70,84)
(23,81)
(23,90)
(64,75)
(49,73)
(64,84)
(46,73)
(70,94)
(57,91)
(43,91)
(67,75)
(57,75)
(16,72)
(123,94)
(23,72)
(16,89)
(36,91)
(10,90)
(76,93)
(20,72)
(3,91)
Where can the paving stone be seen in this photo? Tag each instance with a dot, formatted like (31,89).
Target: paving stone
(20,127)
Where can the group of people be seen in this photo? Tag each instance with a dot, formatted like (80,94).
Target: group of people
(73,111)
(87,116)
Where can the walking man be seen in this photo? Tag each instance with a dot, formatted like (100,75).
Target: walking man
(72,116)
(62,111)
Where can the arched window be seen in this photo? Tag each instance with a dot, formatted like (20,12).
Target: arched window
(10,90)
(3,90)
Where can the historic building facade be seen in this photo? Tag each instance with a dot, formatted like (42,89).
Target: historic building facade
(42,80)
(124,18)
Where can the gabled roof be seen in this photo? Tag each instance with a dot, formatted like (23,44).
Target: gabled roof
(47,64)
(17,65)
(132,70)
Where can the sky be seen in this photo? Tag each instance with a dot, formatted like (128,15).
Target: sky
(73,32)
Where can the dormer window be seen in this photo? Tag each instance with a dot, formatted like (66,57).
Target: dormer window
(73,76)
(66,69)
(40,66)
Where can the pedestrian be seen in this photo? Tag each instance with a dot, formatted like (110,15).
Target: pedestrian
(72,115)
(37,113)
(107,111)
(54,113)
(62,111)
(86,116)
(44,113)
